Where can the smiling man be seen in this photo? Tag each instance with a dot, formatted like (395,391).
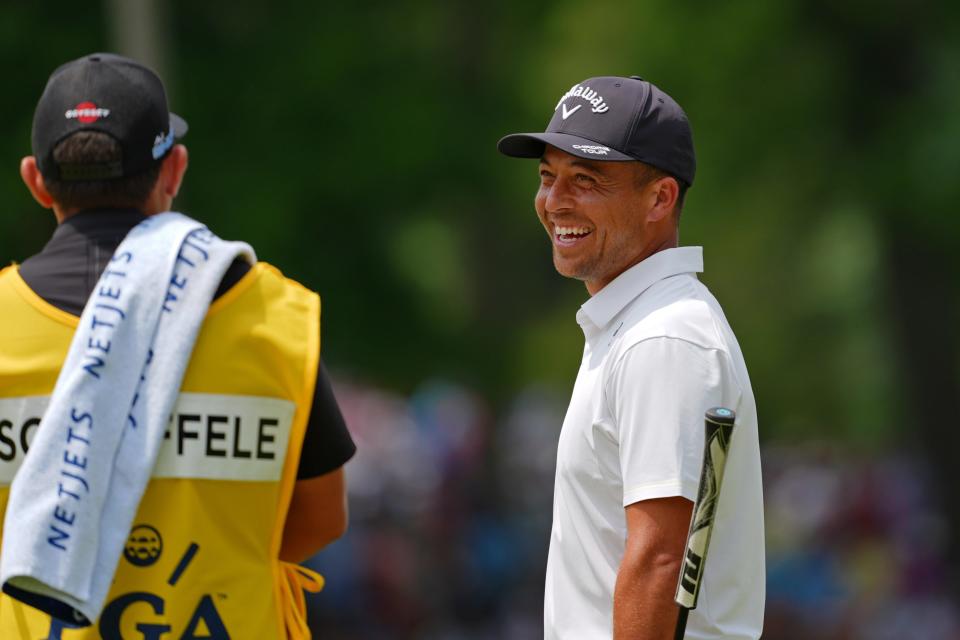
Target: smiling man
(615,163)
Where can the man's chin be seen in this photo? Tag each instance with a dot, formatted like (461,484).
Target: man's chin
(571,269)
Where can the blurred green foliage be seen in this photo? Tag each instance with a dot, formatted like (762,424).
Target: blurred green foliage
(354,145)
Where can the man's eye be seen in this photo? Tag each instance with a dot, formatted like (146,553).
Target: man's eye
(584,178)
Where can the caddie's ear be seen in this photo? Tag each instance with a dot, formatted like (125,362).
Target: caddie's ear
(663,196)
(173,169)
(168,182)
(30,173)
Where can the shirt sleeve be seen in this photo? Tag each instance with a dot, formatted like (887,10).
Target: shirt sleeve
(327,444)
(657,393)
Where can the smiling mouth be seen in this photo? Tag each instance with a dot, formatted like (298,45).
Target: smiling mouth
(569,236)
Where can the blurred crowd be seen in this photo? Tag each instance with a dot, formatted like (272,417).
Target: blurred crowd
(450,520)
(855,547)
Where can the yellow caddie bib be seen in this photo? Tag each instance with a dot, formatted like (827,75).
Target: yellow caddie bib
(201,560)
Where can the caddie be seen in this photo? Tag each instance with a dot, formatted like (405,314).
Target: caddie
(226,414)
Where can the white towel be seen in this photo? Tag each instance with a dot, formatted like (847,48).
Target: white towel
(74,499)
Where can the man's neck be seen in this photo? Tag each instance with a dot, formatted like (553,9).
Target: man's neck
(63,215)
(594,286)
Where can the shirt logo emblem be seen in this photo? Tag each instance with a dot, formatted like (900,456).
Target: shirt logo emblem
(144,546)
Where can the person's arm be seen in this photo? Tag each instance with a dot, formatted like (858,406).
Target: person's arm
(657,393)
(317,516)
(318,508)
(643,606)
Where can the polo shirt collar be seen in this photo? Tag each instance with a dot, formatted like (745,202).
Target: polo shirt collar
(600,309)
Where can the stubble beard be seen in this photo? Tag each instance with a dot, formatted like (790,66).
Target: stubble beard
(584,269)
(607,263)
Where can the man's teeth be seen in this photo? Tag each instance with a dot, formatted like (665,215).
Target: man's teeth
(572,231)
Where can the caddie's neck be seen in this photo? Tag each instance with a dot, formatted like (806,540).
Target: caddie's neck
(160,199)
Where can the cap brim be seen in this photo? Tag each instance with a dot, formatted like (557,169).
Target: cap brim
(531,145)
(178,125)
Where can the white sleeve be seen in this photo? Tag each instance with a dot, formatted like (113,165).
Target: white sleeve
(657,393)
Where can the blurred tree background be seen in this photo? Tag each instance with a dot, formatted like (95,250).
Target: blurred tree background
(354,145)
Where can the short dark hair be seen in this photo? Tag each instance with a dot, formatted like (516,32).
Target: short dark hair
(88,147)
(647,173)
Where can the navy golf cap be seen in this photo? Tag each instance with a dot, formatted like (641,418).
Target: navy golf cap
(111,94)
(617,119)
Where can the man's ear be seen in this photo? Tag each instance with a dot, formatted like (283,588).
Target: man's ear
(172,170)
(663,194)
(30,173)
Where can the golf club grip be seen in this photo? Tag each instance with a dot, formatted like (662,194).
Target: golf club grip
(718,424)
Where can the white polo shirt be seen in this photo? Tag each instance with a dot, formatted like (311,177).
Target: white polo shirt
(658,353)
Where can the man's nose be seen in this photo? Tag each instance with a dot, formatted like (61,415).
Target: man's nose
(558,197)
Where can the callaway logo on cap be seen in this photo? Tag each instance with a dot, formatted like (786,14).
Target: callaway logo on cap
(111,94)
(618,119)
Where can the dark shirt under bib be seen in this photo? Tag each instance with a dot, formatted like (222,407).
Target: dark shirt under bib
(66,271)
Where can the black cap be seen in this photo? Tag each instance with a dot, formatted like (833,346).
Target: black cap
(619,119)
(112,94)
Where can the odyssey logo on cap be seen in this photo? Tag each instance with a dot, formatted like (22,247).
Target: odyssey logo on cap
(114,96)
(86,112)
(598,105)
